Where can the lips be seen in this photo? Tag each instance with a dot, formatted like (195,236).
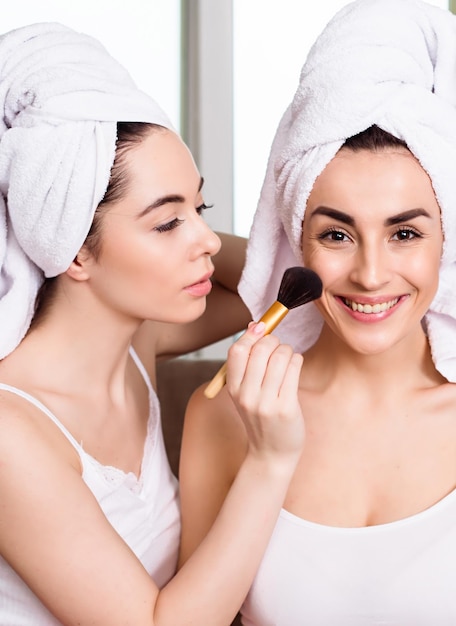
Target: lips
(203,279)
(200,288)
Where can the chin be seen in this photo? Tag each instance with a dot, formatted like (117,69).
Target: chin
(190,315)
(365,344)
(372,348)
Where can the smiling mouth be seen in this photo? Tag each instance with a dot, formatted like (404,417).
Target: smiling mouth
(379,307)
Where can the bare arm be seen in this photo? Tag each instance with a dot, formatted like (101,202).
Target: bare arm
(229,262)
(54,534)
(214,445)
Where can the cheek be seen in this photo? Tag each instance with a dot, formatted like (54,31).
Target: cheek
(327,265)
(132,254)
(424,264)
(425,271)
(308,248)
(313,253)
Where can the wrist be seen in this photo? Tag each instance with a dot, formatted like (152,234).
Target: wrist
(271,467)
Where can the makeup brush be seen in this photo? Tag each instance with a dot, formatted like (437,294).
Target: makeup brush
(299,286)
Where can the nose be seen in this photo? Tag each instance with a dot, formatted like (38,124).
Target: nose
(208,242)
(371,267)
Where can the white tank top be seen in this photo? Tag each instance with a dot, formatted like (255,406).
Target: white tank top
(397,574)
(144,512)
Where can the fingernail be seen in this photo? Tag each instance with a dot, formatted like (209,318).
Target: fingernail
(258,328)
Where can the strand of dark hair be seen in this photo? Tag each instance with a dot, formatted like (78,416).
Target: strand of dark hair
(373,139)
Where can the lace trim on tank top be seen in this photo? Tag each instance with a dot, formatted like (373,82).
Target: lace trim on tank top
(113,475)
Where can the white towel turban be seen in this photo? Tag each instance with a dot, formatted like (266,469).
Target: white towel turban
(390,63)
(61,95)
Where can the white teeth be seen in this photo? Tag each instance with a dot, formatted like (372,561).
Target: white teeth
(371,308)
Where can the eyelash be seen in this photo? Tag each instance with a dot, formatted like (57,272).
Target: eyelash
(169,225)
(332,231)
(409,231)
(203,207)
(163,228)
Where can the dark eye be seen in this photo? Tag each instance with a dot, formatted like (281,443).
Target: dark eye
(406,234)
(337,236)
(332,234)
(203,207)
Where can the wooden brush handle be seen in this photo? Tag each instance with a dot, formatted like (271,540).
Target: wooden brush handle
(216,383)
(271,318)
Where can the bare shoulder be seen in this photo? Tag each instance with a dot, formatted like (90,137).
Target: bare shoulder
(35,459)
(15,427)
(213,437)
(26,425)
(217,418)
(30,442)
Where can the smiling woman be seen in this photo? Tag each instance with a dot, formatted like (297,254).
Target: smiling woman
(378,253)
(359,188)
(372,231)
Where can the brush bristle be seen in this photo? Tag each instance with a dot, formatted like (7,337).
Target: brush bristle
(299,286)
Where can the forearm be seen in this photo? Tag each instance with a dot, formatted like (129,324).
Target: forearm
(212,584)
(229,262)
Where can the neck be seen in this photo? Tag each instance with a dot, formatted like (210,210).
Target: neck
(406,363)
(79,344)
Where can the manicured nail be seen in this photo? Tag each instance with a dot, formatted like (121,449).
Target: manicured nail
(258,328)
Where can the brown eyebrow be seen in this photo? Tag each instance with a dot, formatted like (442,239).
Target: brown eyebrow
(406,216)
(340,216)
(169,199)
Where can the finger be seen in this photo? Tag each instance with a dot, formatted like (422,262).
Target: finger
(289,389)
(239,353)
(255,369)
(277,371)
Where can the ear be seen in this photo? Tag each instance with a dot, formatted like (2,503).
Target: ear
(79,268)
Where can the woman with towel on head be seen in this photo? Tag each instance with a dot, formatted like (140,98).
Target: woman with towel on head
(360,187)
(105,267)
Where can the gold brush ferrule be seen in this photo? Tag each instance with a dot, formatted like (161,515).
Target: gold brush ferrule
(274,315)
(271,318)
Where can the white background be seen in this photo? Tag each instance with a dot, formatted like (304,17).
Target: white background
(144,35)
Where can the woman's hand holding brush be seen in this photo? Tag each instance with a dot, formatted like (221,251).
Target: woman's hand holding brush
(299,286)
(262,380)
(262,375)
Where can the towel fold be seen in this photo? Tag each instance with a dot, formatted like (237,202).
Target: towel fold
(390,63)
(61,95)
